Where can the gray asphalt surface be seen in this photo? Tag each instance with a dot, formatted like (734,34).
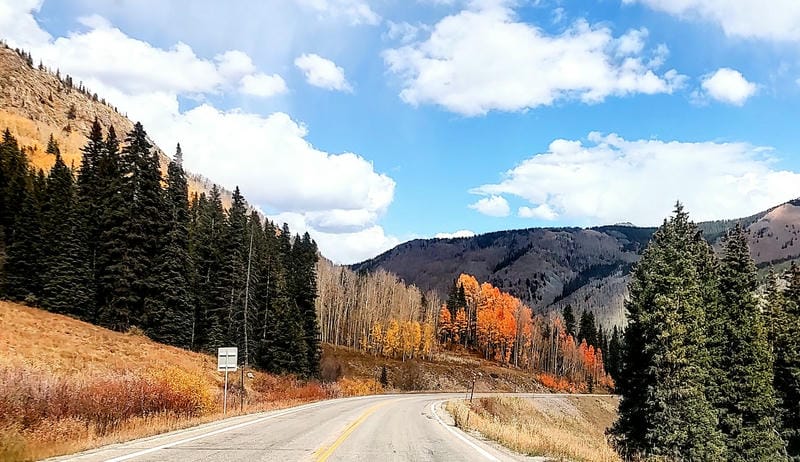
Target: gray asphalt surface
(375,428)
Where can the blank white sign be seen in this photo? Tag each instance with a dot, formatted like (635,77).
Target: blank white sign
(227,359)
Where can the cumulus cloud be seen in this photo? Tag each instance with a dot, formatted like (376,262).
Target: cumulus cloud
(493,206)
(610,179)
(322,72)
(483,59)
(18,25)
(263,85)
(354,11)
(268,156)
(779,20)
(457,234)
(728,86)
(541,211)
(342,248)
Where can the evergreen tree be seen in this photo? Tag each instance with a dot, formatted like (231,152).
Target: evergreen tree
(146,231)
(304,292)
(24,262)
(613,355)
(588,329)
(209,257)
(235,270)
(67,280)
(742,360)
(569,320)
(785,320)
(89,198)
(664,411)
(116,307)
(171,310)
(16,181)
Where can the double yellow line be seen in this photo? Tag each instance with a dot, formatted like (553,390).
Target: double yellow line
(322,454)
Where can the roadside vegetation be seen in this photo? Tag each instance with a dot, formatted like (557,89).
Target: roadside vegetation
(66,386)
(561,428)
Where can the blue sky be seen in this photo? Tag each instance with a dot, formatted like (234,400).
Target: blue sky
(369,123)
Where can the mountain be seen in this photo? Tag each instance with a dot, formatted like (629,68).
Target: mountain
(36,103)
(588,268)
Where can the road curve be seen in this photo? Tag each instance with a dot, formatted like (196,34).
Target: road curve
(410,427)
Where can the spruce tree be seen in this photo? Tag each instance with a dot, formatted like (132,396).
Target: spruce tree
(743,361)
(146,223)
(16,184)
(207,248)
(785,319)
(569,320)
(304,292)
(234,270)
(24,263)
(612,356)
(169,318)
(67,280)
(664,411)
(89,197)
(116,307)
(588,329)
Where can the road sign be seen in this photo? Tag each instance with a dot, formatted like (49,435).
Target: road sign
(227,359)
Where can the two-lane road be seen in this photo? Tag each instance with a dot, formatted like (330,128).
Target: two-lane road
(374,428)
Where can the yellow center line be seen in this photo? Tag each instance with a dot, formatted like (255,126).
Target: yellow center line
(322,454)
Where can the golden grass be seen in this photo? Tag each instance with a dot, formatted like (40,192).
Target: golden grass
(570,429)
(67,386)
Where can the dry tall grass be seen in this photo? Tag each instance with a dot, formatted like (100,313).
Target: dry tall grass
(66,386)
(567,429)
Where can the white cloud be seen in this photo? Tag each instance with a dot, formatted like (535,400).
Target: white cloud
(404,32)
(728,86)
(18,26)
(483,58)
(268,156)
(263,85)
(777,20)
(343,248)
(354,11)
(494,206)
(457,234)
(612,180)
(541,211)
(323,73)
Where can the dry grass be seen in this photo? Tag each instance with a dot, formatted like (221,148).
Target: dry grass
(570,429)
(66,386)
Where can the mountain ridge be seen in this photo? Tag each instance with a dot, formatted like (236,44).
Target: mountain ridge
(588,268)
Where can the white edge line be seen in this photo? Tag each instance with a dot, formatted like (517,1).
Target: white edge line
(458,435)
(221,430)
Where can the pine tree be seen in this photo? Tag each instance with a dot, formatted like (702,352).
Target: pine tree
(664,411)
(786,346)
(569,320)
(234,272)
(746,400)
(15,185)
(171,310)
(67,280)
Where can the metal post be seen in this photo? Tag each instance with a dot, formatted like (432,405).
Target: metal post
(225,395)
(472,393)
(241,394)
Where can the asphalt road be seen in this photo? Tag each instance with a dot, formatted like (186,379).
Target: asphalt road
(374,428)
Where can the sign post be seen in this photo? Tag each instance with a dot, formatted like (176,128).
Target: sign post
(227,361)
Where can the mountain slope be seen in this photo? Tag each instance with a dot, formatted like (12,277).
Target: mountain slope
(588,268)
(35,104)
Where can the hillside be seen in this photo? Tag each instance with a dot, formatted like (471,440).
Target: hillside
(588,268)
(35,104)
(66,385)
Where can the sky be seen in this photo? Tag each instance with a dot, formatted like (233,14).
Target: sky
(371,122)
